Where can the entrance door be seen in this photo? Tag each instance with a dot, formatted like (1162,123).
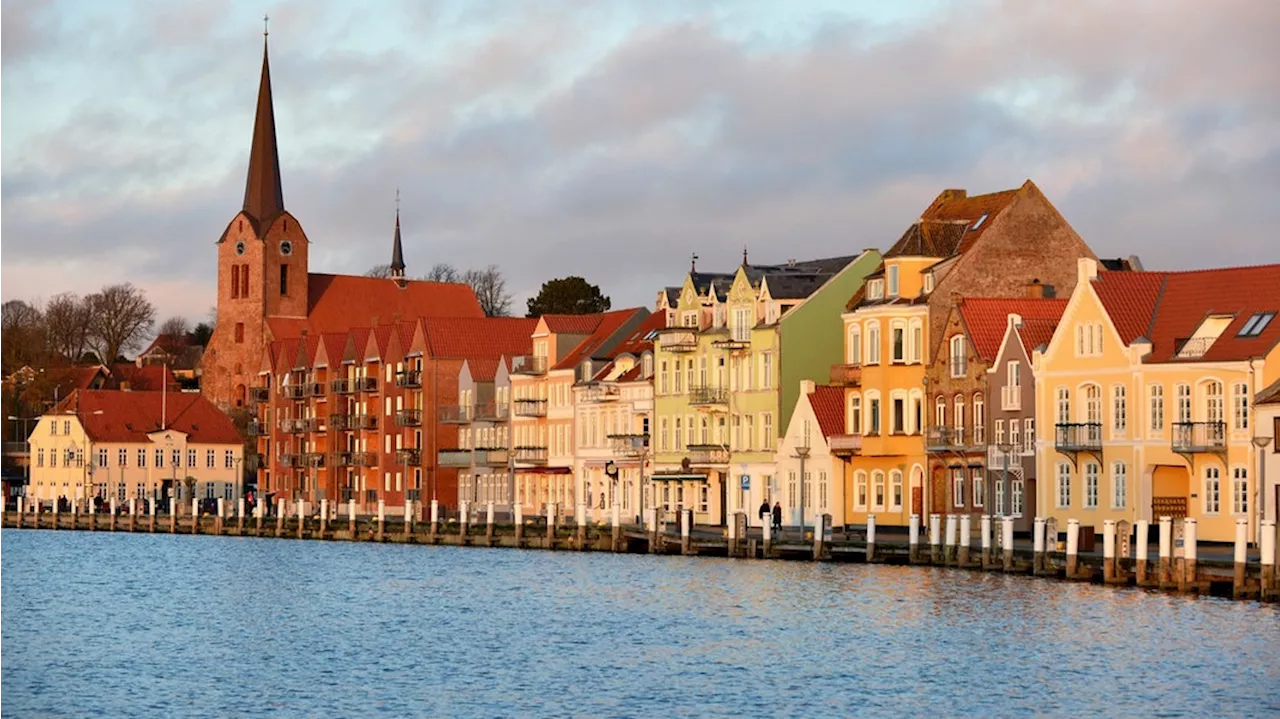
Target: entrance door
(724,499)
(1170,490)
(939,494)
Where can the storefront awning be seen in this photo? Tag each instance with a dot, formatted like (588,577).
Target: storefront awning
(678,477)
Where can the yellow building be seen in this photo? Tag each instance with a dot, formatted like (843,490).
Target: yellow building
(990,245)
(145,445)
(1147,384)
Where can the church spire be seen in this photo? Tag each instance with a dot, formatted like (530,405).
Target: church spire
(397,252)
(263,198)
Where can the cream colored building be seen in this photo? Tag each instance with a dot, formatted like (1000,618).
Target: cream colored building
(146,445)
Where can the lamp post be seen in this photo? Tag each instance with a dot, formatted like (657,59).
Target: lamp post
(1005,449)
(802,453)
(1261,443)
(611,471)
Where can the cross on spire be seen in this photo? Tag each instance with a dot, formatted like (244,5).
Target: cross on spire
(265,20)
(693,262)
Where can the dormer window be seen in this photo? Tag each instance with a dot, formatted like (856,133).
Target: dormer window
(928,282)
(1256,324)
(1205,335)
(892,274)
(875,289)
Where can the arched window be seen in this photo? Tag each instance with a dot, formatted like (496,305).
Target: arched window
(877,491)
(959,419)
(854,420)
(854,346)
(979,419)
(860,491)
(1214,408)
(895,490)
(959,361)
(873,343)
(916,417)
(940,412)
(917,341)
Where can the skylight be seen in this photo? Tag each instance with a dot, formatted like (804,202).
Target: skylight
(1256,324)
(981,220)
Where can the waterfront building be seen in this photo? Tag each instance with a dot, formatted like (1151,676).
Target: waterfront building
(968,444)
(365,414)
(542,382)
(1147,386)
(811,478)
(267,293)
(1266,437)
(613,416)
(145,445)
(486,472)
(989,245)
(729,370)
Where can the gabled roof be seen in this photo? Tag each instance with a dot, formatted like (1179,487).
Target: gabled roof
(1036,333)
(573,324)
(952,224)
(467,338)
(145,378)
(828,407)
(128,416)
(638,341)
(598,345)
(1269,395)
(483,369)
(987,318)
(339,302)
(1130,300)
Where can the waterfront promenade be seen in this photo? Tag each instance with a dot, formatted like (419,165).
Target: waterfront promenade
(1175,562)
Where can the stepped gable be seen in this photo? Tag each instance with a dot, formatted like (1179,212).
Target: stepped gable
(1130,300)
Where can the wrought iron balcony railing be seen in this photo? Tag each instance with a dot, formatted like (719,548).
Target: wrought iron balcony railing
(1199,437)
(531,455)
(409,418)
(363,421)
(411,457)
(342,386)
(366,384)
(531,408)
(704,396)
(409,379)
(293,391)
(1078,437)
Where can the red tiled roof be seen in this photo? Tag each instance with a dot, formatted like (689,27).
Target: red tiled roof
(630,375)
(1269,395)
(987,318)
(828,406)
(146,378)
(636,343)
(573,324)
(1129,299)
(465,338)
(339,302)
(1187,298)
(1036,333)
(483,369)
(128,416)
(969,210)
(609,323)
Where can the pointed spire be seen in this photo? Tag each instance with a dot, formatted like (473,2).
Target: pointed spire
(397,252)
(263,198)
(693,262)
(744,256)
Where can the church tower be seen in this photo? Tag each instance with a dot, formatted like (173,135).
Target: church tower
(262,267)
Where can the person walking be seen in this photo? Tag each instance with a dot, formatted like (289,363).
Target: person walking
(764,511)
(777,517)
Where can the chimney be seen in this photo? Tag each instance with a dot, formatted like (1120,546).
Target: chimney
(1086,270)
(806,387)
(943,198)
(957,299)
(1038,290)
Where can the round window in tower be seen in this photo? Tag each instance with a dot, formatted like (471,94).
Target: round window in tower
(286,248)
(239,248)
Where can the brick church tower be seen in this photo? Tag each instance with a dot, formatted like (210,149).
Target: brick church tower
(262,268)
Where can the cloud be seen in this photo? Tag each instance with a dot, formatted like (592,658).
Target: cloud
(612,141)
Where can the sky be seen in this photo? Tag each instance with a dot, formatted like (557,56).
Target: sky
(612,140)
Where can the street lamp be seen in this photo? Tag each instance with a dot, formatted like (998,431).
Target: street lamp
(802,453)
(1261,443)
(1006,491)
(611,471)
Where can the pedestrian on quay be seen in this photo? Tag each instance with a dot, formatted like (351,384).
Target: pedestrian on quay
(777,517)
(764,510)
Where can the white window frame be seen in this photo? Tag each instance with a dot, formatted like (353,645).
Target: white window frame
(1239,490)
(1119,485)
(957,487)
(1091,481)
(1119,410)
(1062,497)
(958,360)
(879,492)
(1239,406)
(861,491)
(1155,408)
(1211,501)
(892,280)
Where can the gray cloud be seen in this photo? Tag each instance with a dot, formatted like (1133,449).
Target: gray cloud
(1154,127)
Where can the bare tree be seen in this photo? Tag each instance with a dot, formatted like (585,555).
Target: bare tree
(66,321)
(23,331)
(121,317)
(491,290)
(175,327)
(379,271)
(443,272)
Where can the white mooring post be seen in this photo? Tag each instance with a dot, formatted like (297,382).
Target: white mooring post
(1187,579)
(1109,551)
(1166,551)
(382,518)
(966,529)
(1141,550)
(935,538)
(1073,547)
(950,548)
(435,518)
(1270,588)
(913,538)
(1241,556)
(986,540)
(351,517)
(686,527)
(871,537)
(1006,534)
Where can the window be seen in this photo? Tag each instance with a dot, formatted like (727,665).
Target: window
(122,458)
(940,412)
(40,458)
(1000,430)
(663,437)
(979,420)
(928,282)
(1064,405)
(766,380)
(1212,490)
(899,336)
(873,406)
(191,458)
(854,349)
(1213,402)
(284,280)
(959,419)
(1155,394)
(957,487)
(873,343)
(159,458)
(875,289)
(1240,406)
(979,489)
(228,459)
(235,282)
(1239,490)
(176,457)
(1184,402)
(102,457)
(892,272)
(1091,486)
(877,490)
(959,362)
(239,332)
(1064,485)
(1119,485)
(142,458)
(855,414)
(1256,324)
(899,415)
(895,490)
(662,377)
(244,280)
(66,427)
(1013,434)
(1029,435)
(209,462)
(917,341)
(767,424)
(1119,410)
(1016,503)
(860,491)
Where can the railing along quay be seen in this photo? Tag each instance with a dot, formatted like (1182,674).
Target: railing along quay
(1176,564)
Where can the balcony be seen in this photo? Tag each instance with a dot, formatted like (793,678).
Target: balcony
(292,426)
(363,421)
(529,364)
(531,408)
(259,394)
(629,445)
(601,393)
(708,455)
(352,459)
(411,457)
(450,414)
(342,386)
(409,379)
(290,461)
(313,459)
(531,455)
(493,457)
(1011,398)
(257,428)
(366,384)
(734,344)
(455,458)
(293,391)
(491,413)
(1194,347)
(845,445)
(997,460)
(945,439)
(1199,438)
(340,422)
(314,389)
(708,396)
(409,418)
(847,375)
(1078,437)
(684,339)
